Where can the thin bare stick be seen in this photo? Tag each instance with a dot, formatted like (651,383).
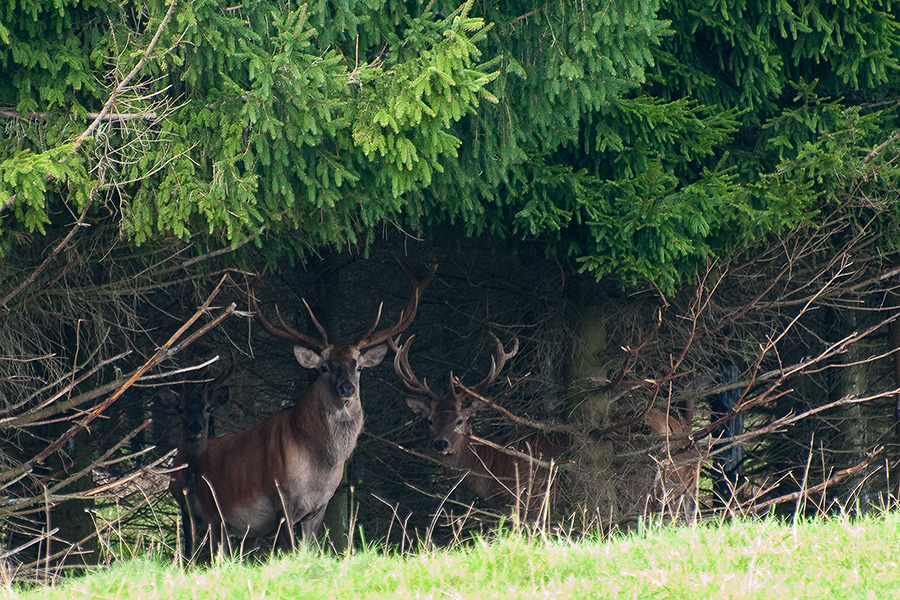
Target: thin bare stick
(168,374)
(287,519)
(402,448)
(107,107)
(878,149)
(224,530)
(40,268)
(4,421)
(12,113)
(762,506)
(121,481)
(167,350)
(512,417)
(512,452)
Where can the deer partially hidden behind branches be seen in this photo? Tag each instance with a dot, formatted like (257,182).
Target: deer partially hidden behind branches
(195,404)
(678,467)
(514,475)
(262,481)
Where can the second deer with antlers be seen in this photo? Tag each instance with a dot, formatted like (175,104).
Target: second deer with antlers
(511,475)
(262,481)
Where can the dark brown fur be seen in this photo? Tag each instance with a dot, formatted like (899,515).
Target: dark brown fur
(195,403)
(505,478)
(262,481)
(284,470)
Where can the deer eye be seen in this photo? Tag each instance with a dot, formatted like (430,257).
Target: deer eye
(459,421)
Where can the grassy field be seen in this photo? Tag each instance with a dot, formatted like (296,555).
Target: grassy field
(834,558)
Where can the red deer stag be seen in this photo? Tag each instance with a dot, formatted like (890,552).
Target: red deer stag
(195,403)
(675,485)
(511,476)
(262,481)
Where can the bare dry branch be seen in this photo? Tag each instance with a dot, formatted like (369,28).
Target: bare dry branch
(126,81)
(836,477)
(167,350)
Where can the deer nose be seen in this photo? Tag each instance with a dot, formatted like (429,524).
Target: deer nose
(346,389)
(195,428)
(441,445)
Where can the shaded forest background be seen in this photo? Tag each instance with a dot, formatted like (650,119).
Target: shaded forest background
(648,196)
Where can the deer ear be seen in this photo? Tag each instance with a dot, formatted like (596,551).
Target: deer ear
(169,396)
(218,396)
(475,406)
(420,408)
(307,358)
(373,357)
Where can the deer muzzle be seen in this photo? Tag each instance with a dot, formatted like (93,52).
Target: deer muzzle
(346,390)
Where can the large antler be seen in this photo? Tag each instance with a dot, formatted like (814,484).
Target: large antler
(405,372)
(370,337)
(497,364)
(287,332)
(223,376)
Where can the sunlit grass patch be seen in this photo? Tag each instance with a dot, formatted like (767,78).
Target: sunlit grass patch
(836,557)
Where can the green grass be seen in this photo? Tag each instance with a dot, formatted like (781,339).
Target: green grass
(833,558)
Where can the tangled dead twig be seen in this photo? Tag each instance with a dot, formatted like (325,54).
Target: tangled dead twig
(808,491)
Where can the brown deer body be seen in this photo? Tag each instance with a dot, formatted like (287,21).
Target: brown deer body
(286,468)
(195,404)
(678,470)
(283,471)
(510,474)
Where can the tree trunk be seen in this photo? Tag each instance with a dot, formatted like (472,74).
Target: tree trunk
(337,515)
(342,320)
(852,381)
(593,485)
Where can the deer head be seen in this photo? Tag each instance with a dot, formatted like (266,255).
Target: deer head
(339,366)
(196,403)
(448,422)
(447,419)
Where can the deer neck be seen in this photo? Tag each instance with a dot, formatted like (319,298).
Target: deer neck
(330,424)
(468,456)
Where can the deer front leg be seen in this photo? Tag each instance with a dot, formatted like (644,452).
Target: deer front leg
(311,525)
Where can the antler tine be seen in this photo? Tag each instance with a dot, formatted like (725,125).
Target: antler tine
(224,375)
(457,396)
(406,316)
(374,325)
(497,363)
(288,334)
(404,370)
(315,322)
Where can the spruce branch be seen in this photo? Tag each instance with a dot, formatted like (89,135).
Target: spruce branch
(79,224)
(126,81)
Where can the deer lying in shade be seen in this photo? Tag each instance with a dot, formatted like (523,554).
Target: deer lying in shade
(503,475)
